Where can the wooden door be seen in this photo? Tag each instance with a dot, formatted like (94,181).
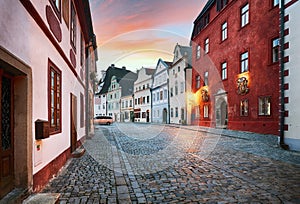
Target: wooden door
(73,120)
(6,137)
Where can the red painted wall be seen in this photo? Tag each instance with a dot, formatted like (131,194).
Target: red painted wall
(256,38)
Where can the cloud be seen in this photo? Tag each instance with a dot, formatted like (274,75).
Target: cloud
(115,17)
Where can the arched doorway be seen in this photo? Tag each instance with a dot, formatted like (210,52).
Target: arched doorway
(221,113)
(165,113)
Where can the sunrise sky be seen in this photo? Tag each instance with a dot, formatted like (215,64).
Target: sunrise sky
(136,33)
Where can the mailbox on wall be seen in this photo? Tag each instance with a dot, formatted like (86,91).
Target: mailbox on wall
(41,129)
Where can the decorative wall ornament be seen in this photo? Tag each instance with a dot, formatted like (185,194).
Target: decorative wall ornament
(204,95)
(242,85)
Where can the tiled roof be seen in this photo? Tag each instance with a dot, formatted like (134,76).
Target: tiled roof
(121,75)
(149,71)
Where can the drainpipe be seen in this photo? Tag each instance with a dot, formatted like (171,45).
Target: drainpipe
(282,106)
(87,71)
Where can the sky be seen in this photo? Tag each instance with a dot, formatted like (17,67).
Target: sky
(136,33)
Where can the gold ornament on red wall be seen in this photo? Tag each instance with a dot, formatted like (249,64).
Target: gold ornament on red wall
(204,95)
(242,85)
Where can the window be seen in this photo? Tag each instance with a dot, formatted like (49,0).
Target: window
(244,62)
(224,70)
(245,15)
(144,100)
(172,114)
(197,82)
(264,104)
(130,103)
(54,97)
(181,87)
(206,45)
(197,111)
(135,101)
(139,101)
(157,96)
(165,94)
(221,4)
(198,52)
(81,50)
(126,104)
(178,69)
(205,111)
(173,71)
(224,31)
(275,3)
(171,92)
(176,112)
(82,110)
(73,26)
(244,107)
(56,7)
(66,10)
(161,95)
(275,50)
(103,106)
(122,104)
(143,114)
(148,99)
(176,88)
(206,79)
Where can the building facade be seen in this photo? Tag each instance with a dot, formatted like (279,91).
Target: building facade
(142,95)
(127,111)
(160,93)
(177,82)
(290,72)
(235,61)
(46,52)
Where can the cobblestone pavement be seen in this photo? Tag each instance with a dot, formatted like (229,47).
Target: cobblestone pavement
(129,163)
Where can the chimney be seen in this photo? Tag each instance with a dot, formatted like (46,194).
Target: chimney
(124,67)
(112,65)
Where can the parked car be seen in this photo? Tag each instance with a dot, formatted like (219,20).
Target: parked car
(103,120)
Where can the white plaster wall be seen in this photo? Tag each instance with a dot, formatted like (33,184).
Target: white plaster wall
(293,66)
(24,39)
(177,100)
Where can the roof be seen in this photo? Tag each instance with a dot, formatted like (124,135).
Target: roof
(169,64)
(207,6)
(188,51)
(121,75)
(149,71)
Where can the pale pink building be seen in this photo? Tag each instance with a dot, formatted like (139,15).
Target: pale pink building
(46,56)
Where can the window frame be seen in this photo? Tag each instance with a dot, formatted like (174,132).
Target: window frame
(245,19)
(57,128)
(198,81)
(57,10)
(206,45)
(224,71)
(262,110)
(198,52)
(273,48)
(243,61)
(73,27)
(224,32)
(205,111)
(244,108)
(206,78)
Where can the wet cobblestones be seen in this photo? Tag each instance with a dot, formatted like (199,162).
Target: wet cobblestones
(123,165)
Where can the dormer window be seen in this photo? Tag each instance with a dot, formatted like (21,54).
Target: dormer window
(221,4)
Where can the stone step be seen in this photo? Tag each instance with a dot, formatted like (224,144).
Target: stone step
(45,198)
(78,152)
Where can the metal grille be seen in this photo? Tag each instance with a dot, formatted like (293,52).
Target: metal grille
(6,113)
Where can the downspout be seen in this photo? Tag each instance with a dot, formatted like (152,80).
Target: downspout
(282,95)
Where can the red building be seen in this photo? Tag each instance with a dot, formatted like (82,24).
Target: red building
(235,65)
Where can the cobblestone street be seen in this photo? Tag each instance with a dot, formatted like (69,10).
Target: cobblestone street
(139,163)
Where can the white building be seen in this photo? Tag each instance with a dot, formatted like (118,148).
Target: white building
(127,109)
(43,74)
(100,99)
(291,72)
(160,95)
(177,79)
(142,95)
(113,99)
